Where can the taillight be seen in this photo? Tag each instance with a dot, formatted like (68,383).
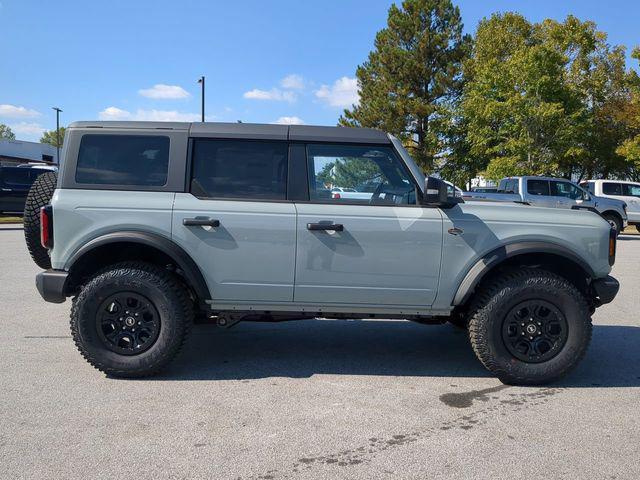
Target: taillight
(336,195)
(612,246)
(46,226)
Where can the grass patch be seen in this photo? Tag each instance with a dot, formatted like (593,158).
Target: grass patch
(10,220)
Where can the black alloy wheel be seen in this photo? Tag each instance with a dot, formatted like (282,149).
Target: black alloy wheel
(534,331)
(127,323)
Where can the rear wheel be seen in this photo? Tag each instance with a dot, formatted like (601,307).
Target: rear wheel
(530,326)
(39,195)
(131,319)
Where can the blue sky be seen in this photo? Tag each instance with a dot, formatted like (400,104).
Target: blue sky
(264,61)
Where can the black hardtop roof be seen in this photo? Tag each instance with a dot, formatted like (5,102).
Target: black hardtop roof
(306,133)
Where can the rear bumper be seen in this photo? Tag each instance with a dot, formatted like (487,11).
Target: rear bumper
(52,285)
(605,289)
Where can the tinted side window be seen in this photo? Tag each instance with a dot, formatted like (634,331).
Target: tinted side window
(16,176)
(566,189)
(612,188)
(123,160)
(239,169)
(538,187)
(631,190)
(358,174)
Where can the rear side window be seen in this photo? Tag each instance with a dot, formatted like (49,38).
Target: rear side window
(609,188)
(538,187)
(123,160)
(631,190)
(240,169)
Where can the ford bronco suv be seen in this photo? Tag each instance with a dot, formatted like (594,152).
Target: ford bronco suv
(150,225)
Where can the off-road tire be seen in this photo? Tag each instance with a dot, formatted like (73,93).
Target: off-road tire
(165,292)
(615,222)
(39,195)
(499,296)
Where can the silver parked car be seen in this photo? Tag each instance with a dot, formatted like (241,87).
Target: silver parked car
(153,224)
(555,193)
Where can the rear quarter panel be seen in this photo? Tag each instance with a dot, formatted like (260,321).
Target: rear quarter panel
(82,215)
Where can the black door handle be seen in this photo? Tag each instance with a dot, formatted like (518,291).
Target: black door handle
(200,222)
(337,227)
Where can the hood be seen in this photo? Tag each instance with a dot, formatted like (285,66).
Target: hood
(523,214)
(610,201)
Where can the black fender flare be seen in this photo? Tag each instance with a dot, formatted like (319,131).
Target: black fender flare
(182,259)
(502,253)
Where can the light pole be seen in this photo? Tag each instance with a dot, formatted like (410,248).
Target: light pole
(57,133)
(201,82)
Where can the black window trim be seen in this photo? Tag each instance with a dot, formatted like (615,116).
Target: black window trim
(189,170)
(71,149)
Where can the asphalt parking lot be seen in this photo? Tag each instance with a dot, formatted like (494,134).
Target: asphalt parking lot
(312,399)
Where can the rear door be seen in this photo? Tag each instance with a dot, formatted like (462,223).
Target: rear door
(538,193)
(235,220)
(375,247)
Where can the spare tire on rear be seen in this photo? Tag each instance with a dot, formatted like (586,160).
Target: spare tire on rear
(39,195)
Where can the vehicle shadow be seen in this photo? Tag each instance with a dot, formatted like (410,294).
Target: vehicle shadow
(377,347)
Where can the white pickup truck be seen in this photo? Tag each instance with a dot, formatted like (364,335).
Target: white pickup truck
(628,192)
(554,193)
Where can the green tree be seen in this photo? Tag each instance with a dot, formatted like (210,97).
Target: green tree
(545,98)
(51,137)
(412,78)
(630,147)
(6,133)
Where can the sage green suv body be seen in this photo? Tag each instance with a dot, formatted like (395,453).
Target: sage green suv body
(249,223)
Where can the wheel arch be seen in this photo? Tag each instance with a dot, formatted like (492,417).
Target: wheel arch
(133,245)
(555,257)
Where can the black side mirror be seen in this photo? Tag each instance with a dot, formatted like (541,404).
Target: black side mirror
(435,192)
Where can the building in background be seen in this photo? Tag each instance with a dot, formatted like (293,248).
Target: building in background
(16,152)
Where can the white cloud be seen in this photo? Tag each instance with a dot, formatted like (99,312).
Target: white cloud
(165,92)
(14,111)
(292,82)
(273,94)
(114,113)
(343,93)
(289,121)
(27,130)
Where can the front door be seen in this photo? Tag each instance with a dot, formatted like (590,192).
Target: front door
(361,238)
(567,194)
(236,223)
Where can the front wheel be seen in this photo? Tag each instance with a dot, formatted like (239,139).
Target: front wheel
(530,326)
(615,222)
(131,319)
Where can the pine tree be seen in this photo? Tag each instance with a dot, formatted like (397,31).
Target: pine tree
(412,78)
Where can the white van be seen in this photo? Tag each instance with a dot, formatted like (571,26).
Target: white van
(628,192)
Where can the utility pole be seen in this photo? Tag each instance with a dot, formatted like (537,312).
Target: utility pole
(201,82)
(57,133)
